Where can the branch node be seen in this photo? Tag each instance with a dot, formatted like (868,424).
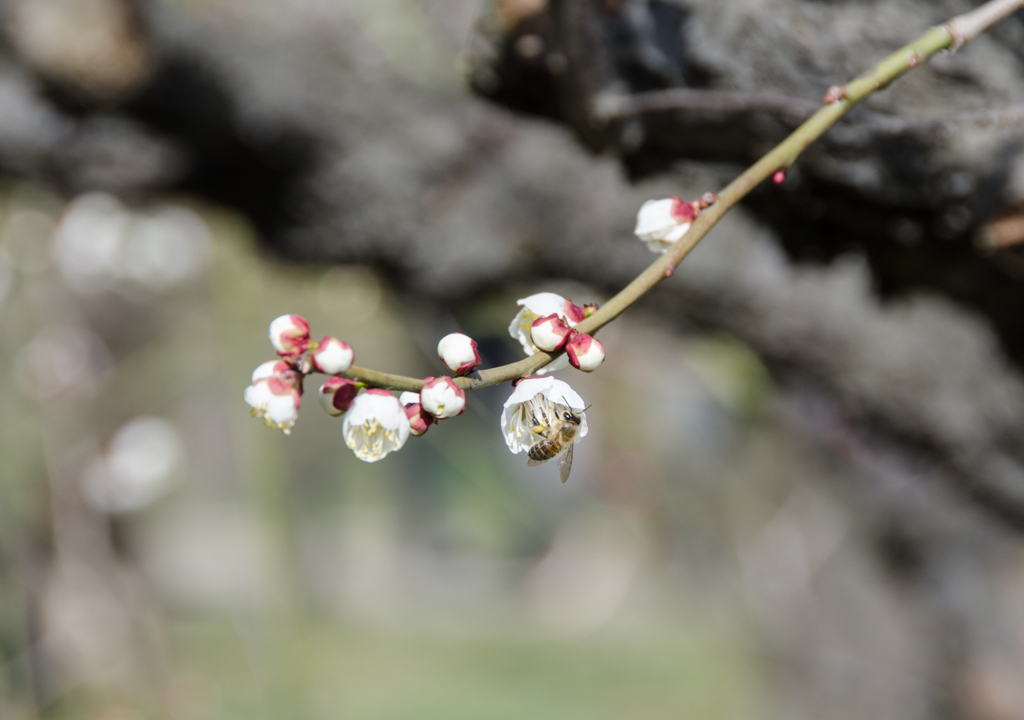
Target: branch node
(953,28)
(835,94)
(707,200)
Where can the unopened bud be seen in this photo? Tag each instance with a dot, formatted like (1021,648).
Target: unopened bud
(289,334)
(332,356)
(336,395)
(585,352)
(549,333)
(459,354)
(442,398)
(419,419)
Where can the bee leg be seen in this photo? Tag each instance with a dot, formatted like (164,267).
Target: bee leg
(539,428)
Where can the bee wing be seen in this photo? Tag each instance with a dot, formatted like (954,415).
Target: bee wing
(565,463)
(534,463)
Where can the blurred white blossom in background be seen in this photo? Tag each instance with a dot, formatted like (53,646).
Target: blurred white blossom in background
(140,465)
(100,243)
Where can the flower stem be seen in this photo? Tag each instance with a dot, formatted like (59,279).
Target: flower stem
(953,34)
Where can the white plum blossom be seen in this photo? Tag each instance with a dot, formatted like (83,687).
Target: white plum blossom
(550,333)
(332,356)
(661,222)
(458,352)
(289,334)
(532,401)
(584,352)
(274,401)
(336,395)
(538,306)
(442,398)
(409,398)
(375,425)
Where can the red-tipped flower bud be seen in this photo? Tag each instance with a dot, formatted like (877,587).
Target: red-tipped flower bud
(585,353)
(289,334)
(549,333)
(419,419)
(336,395)
(458,353)
(332,356)
(442,398)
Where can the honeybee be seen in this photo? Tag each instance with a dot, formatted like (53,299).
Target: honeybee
(559,433)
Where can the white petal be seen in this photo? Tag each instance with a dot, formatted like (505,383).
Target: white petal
(257,395)
(544,303)
(281,410)
(264,370)
(527,388)
(654,218)
(560,392)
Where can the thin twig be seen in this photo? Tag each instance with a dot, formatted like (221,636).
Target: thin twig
(954,33)
(966,27)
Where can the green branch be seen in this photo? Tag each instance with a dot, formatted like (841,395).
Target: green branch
(839,100)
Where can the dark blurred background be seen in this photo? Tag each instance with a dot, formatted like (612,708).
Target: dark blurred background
(803,488)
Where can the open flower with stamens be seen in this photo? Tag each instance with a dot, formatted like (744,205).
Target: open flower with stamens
(442,398)
(289,334)
(538,306)
(458,352)
(661,222)
(274,401)
(375,425)
(530,410)
(584,352)
(337,394)
(332,356)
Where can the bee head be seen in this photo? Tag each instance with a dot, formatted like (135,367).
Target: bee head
(570,415)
